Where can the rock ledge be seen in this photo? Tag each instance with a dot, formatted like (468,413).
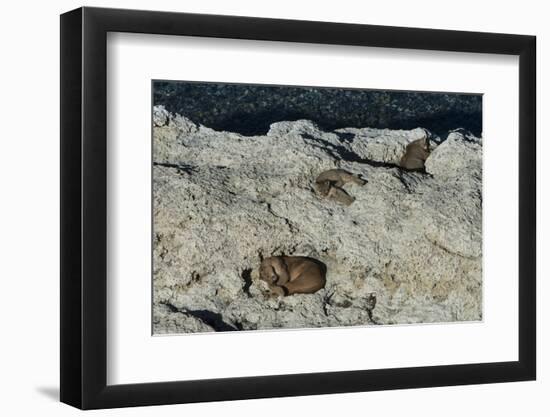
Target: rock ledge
(408,250)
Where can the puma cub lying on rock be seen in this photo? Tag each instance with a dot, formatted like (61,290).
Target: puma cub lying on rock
(329,184)
(287,275)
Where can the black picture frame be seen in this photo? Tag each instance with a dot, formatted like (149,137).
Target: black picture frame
(84,207)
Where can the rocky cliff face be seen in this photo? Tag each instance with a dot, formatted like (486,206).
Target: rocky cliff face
(408,250)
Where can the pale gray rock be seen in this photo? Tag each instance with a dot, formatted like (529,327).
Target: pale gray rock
(383,145)
(160,116)
(167,320)
(458,156)
(408,250)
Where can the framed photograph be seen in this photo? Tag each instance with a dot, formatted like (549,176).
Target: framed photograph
(259,208)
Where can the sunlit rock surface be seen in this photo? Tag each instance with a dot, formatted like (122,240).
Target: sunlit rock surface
(408,250)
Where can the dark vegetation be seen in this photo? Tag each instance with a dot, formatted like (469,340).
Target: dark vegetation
(250,109)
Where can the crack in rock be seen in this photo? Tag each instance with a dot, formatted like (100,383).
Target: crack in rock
(212,319)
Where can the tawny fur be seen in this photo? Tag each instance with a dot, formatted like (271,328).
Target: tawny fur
(416,154)
(329,184)
(287,275)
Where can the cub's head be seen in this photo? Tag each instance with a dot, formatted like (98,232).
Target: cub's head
(267,273)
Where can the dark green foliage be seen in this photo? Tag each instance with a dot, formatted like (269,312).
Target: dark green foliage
(250,109)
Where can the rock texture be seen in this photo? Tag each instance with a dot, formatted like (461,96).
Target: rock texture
(408,250)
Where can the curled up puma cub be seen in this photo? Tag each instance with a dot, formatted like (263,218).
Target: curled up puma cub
(287,275)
